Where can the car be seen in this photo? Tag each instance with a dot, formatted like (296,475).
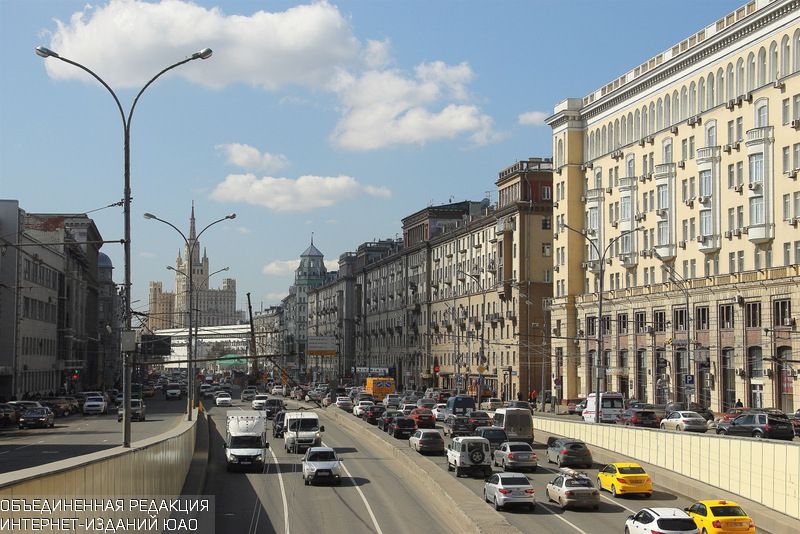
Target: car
(277,424)
(580,407)
(430,404)
(407,408)
(248,394)
(567,451)
(359,408)
(278,390)
(716,516)
(118,400)
(638,417)
(457,425)
(259,402)
(386,418)
(327,400)
(518,404)
(469,454)
(426,440)
(373,413)
(423,417)
(492,403)
(95,405)
(392,399)
(320,464)
(58,408)
(138,411)
(795,420)
(573,489)
(515,456)
(401,427)
(496,435)
(758,425)
(23,406)
(661,520)
(8,415)
(223,399)
(684,422)
(572,406)
(625,478)
(273,406)
(699,409)
(478,418)
(313,395)
(363,396)
(344,403)
(439,412)
(504,489)
(148,391)
(37,417)
(173,391)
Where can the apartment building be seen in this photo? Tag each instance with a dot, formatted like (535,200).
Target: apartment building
(677,206)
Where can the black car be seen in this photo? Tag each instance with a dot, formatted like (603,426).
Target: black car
(567,451)
(638,417)
(277,424)
(37,417)
(373,413)
(457,425)
(273,406)
(402,427)
(386,418)
(519,404)
(496,435)
(758,425)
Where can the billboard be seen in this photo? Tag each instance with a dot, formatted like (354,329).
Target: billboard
(152,345)
(321,346)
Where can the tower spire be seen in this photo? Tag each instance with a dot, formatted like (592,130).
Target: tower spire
(191,225)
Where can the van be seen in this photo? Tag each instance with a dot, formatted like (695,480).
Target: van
(379,387)
(301,430)
(460,405)
(517,422)
(245,439)
(611,406)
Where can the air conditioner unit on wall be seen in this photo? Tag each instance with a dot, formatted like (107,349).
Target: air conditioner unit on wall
(682,244)
(738,188)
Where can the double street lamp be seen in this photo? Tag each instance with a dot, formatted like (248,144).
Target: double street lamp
(481,360)
(126,128)
(190,246)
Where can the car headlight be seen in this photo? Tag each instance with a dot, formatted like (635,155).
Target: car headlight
(260,458)
(312,468)
(234,459)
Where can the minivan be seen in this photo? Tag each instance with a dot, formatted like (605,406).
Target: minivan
(460,405)
(611,407)
(517,422)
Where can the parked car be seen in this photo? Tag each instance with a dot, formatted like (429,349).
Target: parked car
(457,425)
(515,456)
(663,520)
(624,478)
(758,425)
(427,440)
(469,454)
(496,435)
(699,409)
(504,489)
(638,417)
(720,516)
(572,406)
(567,451)
(373,413)
(321,464)
(278,390)
(478,418)
(580,407)
(401,427)
(573,489)
(138,411)
(491,403)
(37,417)
(423,418)
(684,421)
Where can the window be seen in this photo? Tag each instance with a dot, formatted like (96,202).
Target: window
(684,149)
(622,323)
(731,176)
(660,321)
(705,223)
(757,168)
(701,318)
(785,111)
(546,223)
(740,217)
(796,151)
(663,233)
(663,197)
(679,320)
(705,183)
(691,147)
(757,210)
(787,159)
(740,260)
(726,316)
(625,208)
(711,135)
(752,315)
(684,190)
(782,312)
(730,132)
(546,192)
(731,219)
(605,325)
(640,322)
(755,362)
(591,324)
(762,116)
(667,151)
(739,129)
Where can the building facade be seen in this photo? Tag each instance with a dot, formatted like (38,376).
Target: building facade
(109,325)
(677,208)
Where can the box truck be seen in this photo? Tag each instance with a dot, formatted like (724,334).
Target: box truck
(246,439)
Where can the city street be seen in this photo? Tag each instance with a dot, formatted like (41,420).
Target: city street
(77,434)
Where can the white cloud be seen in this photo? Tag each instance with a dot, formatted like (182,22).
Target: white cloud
(243,230)
(280,267)
(532,118)
(275,297)
(332,265)
(376,54)
(384,108)
(306,193)
(248,157)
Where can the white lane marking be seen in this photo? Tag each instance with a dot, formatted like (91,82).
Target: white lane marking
(546,508)
(363,498)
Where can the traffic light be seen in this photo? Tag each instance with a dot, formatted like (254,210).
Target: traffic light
(76,374)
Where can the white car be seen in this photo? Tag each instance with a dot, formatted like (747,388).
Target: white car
(359,408)
(278,390)
(259,402)
(344,403)
(392,399)
(95,405)
(439,412)
(662,520)
(320,464)
(492,403)
(467,454)
(504,489)
(223,399)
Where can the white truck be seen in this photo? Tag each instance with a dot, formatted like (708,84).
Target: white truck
(301,431)
(246,439)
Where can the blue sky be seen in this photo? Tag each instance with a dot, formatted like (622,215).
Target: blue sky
(333,118)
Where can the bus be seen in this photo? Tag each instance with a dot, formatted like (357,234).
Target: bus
(379,387)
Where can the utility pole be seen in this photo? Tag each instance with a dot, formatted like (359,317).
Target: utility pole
(254,350)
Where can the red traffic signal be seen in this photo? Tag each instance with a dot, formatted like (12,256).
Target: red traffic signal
(435,368)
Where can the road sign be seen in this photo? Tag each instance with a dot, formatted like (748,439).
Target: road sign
(689,380)
(481,369)
(459,378)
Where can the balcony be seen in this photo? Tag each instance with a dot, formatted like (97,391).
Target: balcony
(708,244)
(759,233)
(708,153)
(664,171)
(759,135)
(628,259)
(594,195)
(629,182)
(666,252)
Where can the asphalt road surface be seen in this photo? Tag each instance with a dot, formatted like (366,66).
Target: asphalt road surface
(77,434)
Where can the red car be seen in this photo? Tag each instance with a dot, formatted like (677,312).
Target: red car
(478,418)
(423,417)
(642,418)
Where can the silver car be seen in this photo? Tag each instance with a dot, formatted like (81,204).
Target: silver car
(259,402)
(248,394)
(321,464)
(516,455)
(684,421)
(573,488)
(504,489)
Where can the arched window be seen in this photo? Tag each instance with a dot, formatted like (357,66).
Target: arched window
(667,114)
(711,100)
(740,77)
(610,140)
(637,126)
(617,138)
(711,133)
(701,95)
(751,71)
(684,103)
(729,95)
(605,141)
(692,99)
(755,362)
(623,133)
(645,130)
(630,127)
(796,46)
(560,153)
(659,115)
(720,87)
(676,108)
(762,113)
(762,67)
(773,61)
(786,57)
(651,125)
(630,166)
(666,150)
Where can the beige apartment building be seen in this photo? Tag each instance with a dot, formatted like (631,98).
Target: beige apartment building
(677,206)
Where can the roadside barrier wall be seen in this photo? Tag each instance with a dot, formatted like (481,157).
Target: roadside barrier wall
(763,471)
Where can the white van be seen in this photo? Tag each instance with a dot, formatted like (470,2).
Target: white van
(301,431)
(517,422)
(611,406)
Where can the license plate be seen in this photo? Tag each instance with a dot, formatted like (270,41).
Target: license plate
(523,456)
(246,462)
(737,524)
(323,473)
(634,482)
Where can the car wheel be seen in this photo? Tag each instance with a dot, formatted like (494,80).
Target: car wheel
(680,428)
(505,467)
(596,507)
(458,471)
(613,491)
(496,505)
(306,481)
(705,531)
(561,503)
(627,531)
(52,425)
(722,432)
(648,495)
(449,467)
(663,427)
(599,486)
(758,435)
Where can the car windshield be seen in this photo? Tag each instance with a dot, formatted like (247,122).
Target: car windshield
(431,436)
(38,412)
(631,471)
(246,442)
(727,511)
(515,481)
(679,524)
(305,425)
(94,399)
(691,415)
(495,435)
(645,415)
(136,403)
(521,447)
(405,423)
(575,446)
(483,415)
(423,411)
(322,456)
(578,483)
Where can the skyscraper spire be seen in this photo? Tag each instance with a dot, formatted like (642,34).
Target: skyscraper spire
(192,234)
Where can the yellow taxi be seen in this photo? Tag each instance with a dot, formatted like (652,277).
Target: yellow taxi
(715,517)
(625,479)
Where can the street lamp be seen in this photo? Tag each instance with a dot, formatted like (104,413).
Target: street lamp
(190,249)
(681,282)
(601,257)
(481,359)
(205,53)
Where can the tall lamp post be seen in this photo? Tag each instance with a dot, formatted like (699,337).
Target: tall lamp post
(601,257)
(189,351)
(126,127)
(681,282)
(481,359)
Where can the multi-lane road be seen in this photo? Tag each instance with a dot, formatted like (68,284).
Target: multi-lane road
(77,434)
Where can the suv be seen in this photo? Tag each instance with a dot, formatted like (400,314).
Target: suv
(455,425)
(469,454)
(248,394)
